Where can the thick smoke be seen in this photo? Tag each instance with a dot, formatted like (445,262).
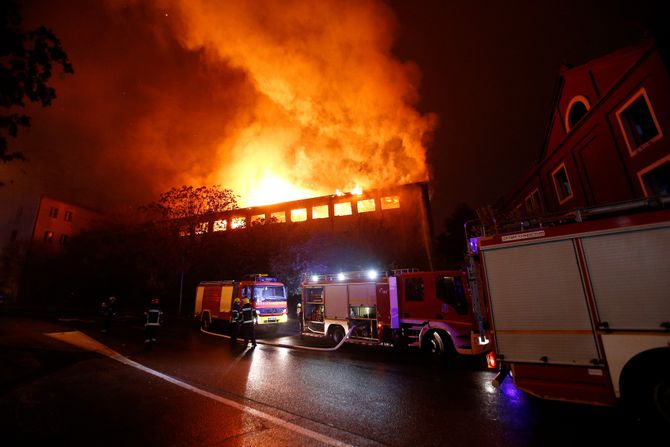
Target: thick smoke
(273,99)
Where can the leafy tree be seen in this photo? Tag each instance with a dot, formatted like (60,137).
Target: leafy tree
(188,201)
(27,60)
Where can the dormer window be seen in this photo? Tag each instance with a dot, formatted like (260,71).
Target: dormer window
(578,107)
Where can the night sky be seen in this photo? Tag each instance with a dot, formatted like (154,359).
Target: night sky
(467,86)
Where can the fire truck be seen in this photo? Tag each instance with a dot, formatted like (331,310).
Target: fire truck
(214,299)
(579,305)
(433,311)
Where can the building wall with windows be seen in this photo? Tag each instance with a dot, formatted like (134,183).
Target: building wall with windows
(608,136)
(394,222)
(57,221)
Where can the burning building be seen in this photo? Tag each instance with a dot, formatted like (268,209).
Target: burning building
(386,227)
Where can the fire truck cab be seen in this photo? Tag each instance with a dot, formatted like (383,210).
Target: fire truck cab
(214,299)
(428,310)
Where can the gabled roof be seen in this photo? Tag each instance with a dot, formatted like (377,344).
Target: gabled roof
(603,74)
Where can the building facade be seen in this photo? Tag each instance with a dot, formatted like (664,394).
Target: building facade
(607,140)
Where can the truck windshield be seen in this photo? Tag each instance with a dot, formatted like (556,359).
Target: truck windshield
(269,294)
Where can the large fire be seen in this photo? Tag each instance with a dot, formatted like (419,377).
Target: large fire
(330,107)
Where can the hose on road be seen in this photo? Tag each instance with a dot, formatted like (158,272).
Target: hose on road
(283,345)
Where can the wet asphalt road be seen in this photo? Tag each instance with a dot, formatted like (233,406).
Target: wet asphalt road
(194,388)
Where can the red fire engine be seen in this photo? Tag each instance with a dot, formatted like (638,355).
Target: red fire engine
(430,310)
(214,299)
(580,307)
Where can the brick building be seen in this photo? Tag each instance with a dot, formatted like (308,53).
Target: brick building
(607,140)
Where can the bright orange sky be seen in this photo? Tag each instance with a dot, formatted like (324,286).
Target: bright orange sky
(282,99)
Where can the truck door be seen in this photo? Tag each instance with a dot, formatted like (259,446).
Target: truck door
(538,303)
(337,302)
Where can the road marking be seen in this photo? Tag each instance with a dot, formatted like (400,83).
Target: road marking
(83,341)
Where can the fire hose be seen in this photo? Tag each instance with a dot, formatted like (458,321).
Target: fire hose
(284,345)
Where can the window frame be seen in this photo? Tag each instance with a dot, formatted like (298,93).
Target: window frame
(581,99)
(634,151)
(538,205)
(556,187)
(649,168)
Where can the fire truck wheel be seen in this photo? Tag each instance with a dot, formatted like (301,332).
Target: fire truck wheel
(645,387)
(336,334)
(437,345)
(205,323)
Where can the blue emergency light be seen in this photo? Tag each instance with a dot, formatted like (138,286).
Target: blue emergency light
(266,279)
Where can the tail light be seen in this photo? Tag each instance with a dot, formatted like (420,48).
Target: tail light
(491,361)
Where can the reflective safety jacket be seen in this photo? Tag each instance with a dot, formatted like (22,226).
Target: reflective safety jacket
(153,315)
(248,314)
(235,314)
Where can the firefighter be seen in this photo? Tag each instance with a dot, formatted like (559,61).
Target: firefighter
(154,318)
(108,310)
(235,318)
(248,322)
(298,312)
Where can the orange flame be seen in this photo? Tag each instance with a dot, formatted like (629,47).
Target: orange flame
(330,108)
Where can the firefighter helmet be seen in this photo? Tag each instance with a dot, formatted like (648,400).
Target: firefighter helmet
(246,300)
(236,300)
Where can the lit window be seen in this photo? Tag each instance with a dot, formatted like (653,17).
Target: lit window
(258,219)
(638,122)
(320,212)
(48,236)
(299,215)
(53,212)
(220,225)
(278,217)
(562,184)
(184,231)
(201,227)
(238,222)
(390,202)
(655,179)
(342,209)
(365,206)
(63,239)
(68,216)
(578,107)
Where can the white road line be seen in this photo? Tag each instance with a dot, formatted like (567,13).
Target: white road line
(85,342)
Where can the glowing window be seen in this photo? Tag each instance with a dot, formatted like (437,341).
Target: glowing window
(320,212)
(238,222)
(48,236)
(343,209)
(201,227)
(562,184)
(258,219)
(390,202)
(278,217)
(299,215)
(220,225)
(365,206)
(184,231)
